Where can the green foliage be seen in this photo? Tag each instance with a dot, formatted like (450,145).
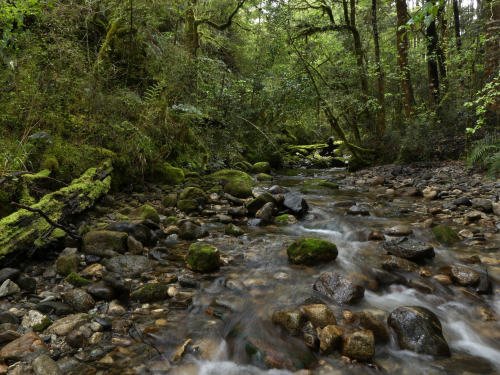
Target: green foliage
(486,154)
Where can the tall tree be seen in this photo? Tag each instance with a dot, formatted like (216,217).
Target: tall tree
(380,77)
(402,46)
(432,63)
(456,24)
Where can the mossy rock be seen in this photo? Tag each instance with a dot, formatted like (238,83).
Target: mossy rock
(193,193)
(203,257)
(261,167)
(147,212)
(227,175)
(171,220)
(67,264)
(75,279)
(188,205)
(316,184)
(264,177)
(243,166)
(238,189)
(165,173)
(311,251)
(43,325)
(285,219)
(169,200)
(50,163)
(445,234)
(151,292)
(257,203)
(233,230)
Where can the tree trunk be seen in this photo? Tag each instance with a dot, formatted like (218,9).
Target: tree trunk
(358,49)
(402,45)
(192,37)
(24,230)
(432,64)
(456,24)
(492,54)
(442,42)
(380,77)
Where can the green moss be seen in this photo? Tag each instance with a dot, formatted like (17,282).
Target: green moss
(311,251)
(50,163)
(243,166)
(166,174)
(264,177)
(147,212)
(289,172)
(261,167)
(187,205)
(238,189)
(315,184)
(171,220)
(445,234)
(75,279)
(151,292)
(44,324)
(202,257)
(67,264)
(285,219)
(193,193)
(227,175)
(169,200)
(233,230)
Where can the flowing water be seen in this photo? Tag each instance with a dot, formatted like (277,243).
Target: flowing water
(259,280)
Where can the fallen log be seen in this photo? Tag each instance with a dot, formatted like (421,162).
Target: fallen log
(26,231)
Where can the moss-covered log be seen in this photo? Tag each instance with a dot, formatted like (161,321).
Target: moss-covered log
(25,231)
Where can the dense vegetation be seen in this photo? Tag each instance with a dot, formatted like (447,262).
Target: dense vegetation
(207,84)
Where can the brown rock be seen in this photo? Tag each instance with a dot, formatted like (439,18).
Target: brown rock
(330,338)
(22,347)
(319,315)
(359,345)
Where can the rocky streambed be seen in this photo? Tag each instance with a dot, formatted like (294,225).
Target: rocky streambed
(388,270)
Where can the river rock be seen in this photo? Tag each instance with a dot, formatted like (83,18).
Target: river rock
(128,265)
(191,231)
(296,204)
(23,347)
(138,229)
(8,273)
(104,243)
(464,276)
(240,211)
(101,291)
(394,263)
(292,321)
(311,251)
(369,321)
(418,329)
(430,193)
(8,333)
(9,288)
(194,193)
(399,230)
(151,292)
(330,338)
(44,365)
(359,209)
(481,204)
(203,257)
(54,307)
(34,318)
(134,246)
(496,208)
(265,214)
(319,315)
(339,288)
(257,203)
(63,326)
(408,248)
(79,300)
(359,345)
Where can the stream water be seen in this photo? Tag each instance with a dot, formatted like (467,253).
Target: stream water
(259,280)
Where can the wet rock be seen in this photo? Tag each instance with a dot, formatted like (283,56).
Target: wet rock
(275,189)
(330,338)
(188,205)
(104,243)
(138,230)
(265,214)
(464,276)
(296,204)
(445,234)
(261,167)
(369,321)
(27,283)
(430,193)
(76,339)
(35,320)
(8,333)
(319,315)
(394,263)
(311,251)
(233,230)
(464,364)
(146,212)
(128,265)
(418,329)
(191,231)
(472,216)
(484,205)
(115,309)
(399,230)
(8,317)
(495,206)
(359,209)
(359,345)
(310,336)
(151,292)
(134,246)
(8,273)
(203,257)
(238,211)
(22,348)
(63,326)
(54,307)
(9,288)
(79,300)
(285,219)
(339,288)
(44,365)
(462,201)
(409,249)
(257,203)
(442,279)
(101,291)
(422,285)
(292,321)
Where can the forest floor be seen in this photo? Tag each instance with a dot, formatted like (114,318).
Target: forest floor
(125,301)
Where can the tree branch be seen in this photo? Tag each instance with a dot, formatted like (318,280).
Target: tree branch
(220,26)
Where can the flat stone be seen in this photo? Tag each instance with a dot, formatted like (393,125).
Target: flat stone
(9,288)
(399,230)
(359,345)
(44,365)
(339,288)
(128,265)
(464,276)
(63,326)
(23,347)
(319,315)
(409,249)
(394,263)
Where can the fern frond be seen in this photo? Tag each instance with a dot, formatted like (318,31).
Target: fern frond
(154,91)
(484,149)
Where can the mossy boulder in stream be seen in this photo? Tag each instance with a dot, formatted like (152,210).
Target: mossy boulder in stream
(151,292)
(311,251)
(187,205)
(194,193)
(75,279)
(166,174)
(261,167)
(67,263)
(445,234)
(147,212)
(238,189)
(236,183)
(203,257)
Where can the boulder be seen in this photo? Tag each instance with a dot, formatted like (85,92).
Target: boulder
(409,248)
(151,292)
(203,257)
(419,330)
(261,167)
(188,205)
(136,229)
(44,365)
(166,173)
(330,338)
(319,315)
(191,231)
(369,321)
(292,321)
(146,212)
(67,263)
(394,263)
(23,347)
(257,203)
(104,243)
(128,265)
(265,214)
(464,276)
(359,345)
(63,326)
(311,251)
(169,200)
(296,204)
(339,288)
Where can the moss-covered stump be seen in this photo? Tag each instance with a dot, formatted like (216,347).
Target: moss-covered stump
(261,167)
(445,234)
(203,257)
(25,230)
(311,251)
(146,212)
(151,292)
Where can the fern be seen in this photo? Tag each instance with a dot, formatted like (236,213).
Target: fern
(486,153)
(154,91)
